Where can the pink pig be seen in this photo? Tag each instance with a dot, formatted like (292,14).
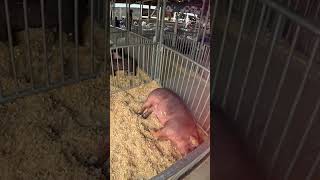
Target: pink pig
(178,124)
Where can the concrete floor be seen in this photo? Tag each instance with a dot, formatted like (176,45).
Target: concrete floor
(202,172)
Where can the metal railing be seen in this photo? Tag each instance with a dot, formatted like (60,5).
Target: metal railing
(39,62)
(267,87)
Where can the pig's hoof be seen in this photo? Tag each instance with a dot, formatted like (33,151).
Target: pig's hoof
(144,116)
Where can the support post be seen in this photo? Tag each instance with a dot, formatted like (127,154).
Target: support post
(175,30)
(140,19)
(149,13)
(195,42)
(157,22)
(205,28)
(162,21)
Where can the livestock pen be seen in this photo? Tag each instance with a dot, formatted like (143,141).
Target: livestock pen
(139,66)
(266,83)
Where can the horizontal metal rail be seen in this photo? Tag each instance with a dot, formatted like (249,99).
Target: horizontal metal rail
(300,20)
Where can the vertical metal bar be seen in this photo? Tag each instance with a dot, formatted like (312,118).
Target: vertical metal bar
(253,11)
(184,45)
(105,25)
(184,75)
(128,59)
(60,39)
(203,107)
(159,59)
(185,90)
(244,85)
(266,66)
(280,85)
(123,59)
(225,32)
(206,22)
(162,21)
(158,21)
(180,70)
(149,6)
(127,16)
(200,24)
(175,30)
(143,58)
(169,63)
(230,74)
(296,101)
(111,58)
(202,91)
(27,41)
(174,78)
(148,60)
(291,25)
(317,11)
(76,32)
(307,7)
(166,68)
(133,63)
(140,19)
(11,44)
(43,24)
(139,50)
(153,69)
(162,65)
(194,77)
(197,87)
(117,53)
(92,36)
(205,56)
(303,140)
(314,167)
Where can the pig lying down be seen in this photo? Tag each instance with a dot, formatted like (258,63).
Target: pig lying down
(178,123)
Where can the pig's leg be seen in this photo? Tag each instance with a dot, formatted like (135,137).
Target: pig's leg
(147,113)
(145,110)
(160,134)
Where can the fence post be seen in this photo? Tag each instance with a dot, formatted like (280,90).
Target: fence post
(175,32)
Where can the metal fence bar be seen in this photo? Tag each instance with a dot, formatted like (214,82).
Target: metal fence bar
(12,59)
(314,167)
(303,140)
(205,105)
(230,74)
(219,60)
(185,90)
(27,41)
(194,77)
(60,39)
(296,101)
(28,92)
(76,32)
(174,78)
(91,36)
(206,83)
(184,75)
(293,16)
(266,66)
(282,79)
(171,72)
(43,24)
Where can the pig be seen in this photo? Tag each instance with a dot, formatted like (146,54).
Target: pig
(122,63)
(178,123)
(17,23)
